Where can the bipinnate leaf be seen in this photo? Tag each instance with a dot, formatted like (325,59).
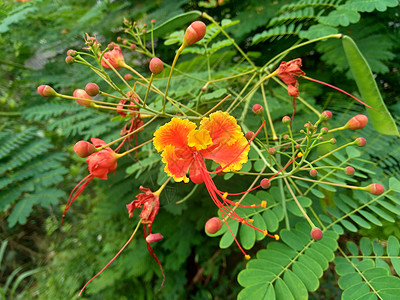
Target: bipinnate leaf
(369,277)
(289,268)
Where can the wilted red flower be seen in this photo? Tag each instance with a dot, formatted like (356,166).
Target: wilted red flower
(99,164)
(287,72)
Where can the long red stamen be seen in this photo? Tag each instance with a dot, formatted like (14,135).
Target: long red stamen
(244,148)
(256,187)
(126,244)
(338,89)
(75,193)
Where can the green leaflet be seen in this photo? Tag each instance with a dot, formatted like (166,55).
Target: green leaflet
(290,268)
(380,117)
(369,278)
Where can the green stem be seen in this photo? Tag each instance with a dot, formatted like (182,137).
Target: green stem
(178,53)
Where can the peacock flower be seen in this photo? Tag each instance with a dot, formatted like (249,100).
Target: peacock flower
(114,58)
(149,203)
(100,163)
(218,138)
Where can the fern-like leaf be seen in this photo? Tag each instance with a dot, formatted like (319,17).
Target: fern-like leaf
(368,276)
(288,269)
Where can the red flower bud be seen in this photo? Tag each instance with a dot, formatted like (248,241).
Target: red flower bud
(213,225)
(79,93)
(46,91)
(271,150)
(286,136)
(349,170)
(154,237)
(356,122)
(333,141)
(375,188)
(258,109)
(124,42)
(156,66)
(114,58)
(71,52)
(92,89)
(326,115)
(132,46)
(324,130)
(249,135)
(153,21)
(84,149)
(69,60)
(118,38)
(361,142)
(286,120)
(194,33)
(316,233)
(265,183)
(128,77)
(313,173)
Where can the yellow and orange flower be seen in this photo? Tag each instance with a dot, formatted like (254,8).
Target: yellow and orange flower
(184,147)
(218,138)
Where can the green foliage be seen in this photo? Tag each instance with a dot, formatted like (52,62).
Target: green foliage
(288,269)
(30,174)
(38,130)
(366,274)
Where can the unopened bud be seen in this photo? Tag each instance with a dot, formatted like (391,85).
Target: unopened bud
(124,42)
(128,77)
(84,149)
(324,130)
(156,66)
(144,30)
(286,120)
(361,142)
(265,183)
(316,234)
(79,93)
(326,115)
(258,109)
(153,237)
(298,146)
(194,33)
(153,21)
(69,60)
(46,91)
(213,225)
(92,89)
(356,122)
(272,150)
(313,173)
(286,136)
(375,188)
(132,46)
(249,135)
(110,46)
(71,52)
(118,38)
(333,141)
(349,170)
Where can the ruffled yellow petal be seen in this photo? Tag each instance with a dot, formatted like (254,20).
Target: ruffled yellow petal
(175,166)
(222,127)
(234,155)
(200,139)
(174,133)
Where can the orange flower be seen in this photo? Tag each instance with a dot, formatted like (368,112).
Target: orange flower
(218,138)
